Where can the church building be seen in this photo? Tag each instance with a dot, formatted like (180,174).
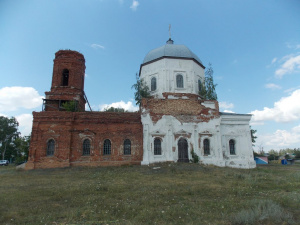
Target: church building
(171,126)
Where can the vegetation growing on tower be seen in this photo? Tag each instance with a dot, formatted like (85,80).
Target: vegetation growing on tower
(141,90)
(208,90)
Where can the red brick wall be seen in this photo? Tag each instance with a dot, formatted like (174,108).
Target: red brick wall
(75,63)
(70,129)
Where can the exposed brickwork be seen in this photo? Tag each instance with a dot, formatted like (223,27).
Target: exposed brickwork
(184,109)
(74,62)
(70,129)
(168,95)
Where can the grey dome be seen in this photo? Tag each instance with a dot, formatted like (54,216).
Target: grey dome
(171,50)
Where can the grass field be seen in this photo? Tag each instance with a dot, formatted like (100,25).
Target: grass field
(158,194)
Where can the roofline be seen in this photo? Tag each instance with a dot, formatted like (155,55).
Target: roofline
(170,57)
(234,114)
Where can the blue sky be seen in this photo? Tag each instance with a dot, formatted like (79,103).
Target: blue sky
(253,45)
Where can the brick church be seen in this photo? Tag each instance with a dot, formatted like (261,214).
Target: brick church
(169,126)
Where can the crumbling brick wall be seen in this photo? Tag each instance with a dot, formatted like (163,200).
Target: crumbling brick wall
(184,107)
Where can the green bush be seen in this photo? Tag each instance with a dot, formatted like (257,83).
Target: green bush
(71,106)
(195,157)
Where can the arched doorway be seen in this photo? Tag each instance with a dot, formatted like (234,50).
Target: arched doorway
(183,155)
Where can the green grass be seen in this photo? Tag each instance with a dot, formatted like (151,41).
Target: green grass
(170,194)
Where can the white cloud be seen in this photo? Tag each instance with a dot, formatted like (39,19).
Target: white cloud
(287,109)
(290,90)
(134,5)
(291,64)
(127,106)
(25,123)
(272,86)
(292,45)
(274,60)
(97,46)
(280,139)
(255,123)
(13,98)
(226,105)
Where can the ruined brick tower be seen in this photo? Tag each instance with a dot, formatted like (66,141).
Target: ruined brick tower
(67,82)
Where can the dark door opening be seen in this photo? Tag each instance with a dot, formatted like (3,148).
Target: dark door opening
(183,155)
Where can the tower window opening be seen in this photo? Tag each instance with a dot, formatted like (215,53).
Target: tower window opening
(65,77)
(179,81)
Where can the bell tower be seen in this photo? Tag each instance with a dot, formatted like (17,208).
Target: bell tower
(67,82)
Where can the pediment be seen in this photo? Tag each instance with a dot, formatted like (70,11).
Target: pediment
(157,133)
(182,132)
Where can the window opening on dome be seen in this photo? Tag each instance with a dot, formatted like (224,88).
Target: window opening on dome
(199,85)
(179,81)
(153,84)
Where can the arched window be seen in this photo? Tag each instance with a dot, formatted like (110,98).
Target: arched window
(157,146)
(50,147)
(65,77)
(199,85)
(179,81)
(232,147)
(206,147)
(153,83)
(107,147)
(86,147)
(127,147)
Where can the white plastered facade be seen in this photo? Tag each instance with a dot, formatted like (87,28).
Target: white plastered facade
(169,129)
(165,71)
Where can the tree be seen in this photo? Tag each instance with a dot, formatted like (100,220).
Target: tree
(8,133)
(141,90)
(21,148)
(113,109)
(208,90)
(253,137)
(273,155)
